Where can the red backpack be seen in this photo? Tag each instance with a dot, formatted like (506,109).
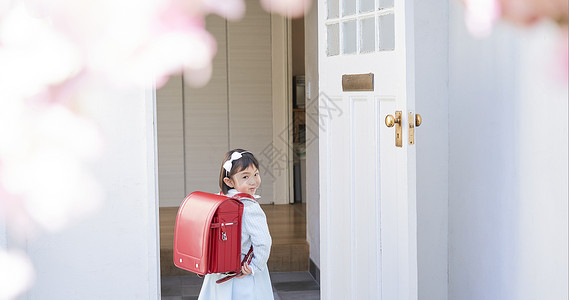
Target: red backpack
(207,235)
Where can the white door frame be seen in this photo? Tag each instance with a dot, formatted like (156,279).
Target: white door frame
(154,281)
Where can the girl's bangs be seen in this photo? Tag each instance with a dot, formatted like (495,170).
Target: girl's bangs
(243,163)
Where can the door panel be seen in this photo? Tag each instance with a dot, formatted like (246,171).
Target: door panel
(340,215)
(388,197)
(365,201)
(368,241)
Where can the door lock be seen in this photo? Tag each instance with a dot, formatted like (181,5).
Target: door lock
(412,123)
(390,121)
(396,121)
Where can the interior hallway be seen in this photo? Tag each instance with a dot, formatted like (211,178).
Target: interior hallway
(288,262)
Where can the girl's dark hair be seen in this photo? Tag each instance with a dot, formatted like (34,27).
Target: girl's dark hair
(239,165)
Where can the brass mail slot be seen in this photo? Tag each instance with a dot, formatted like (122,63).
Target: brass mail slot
(357,82)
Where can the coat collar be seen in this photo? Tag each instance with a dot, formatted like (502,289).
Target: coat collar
(233,192)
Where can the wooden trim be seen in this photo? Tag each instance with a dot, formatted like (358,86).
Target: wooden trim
(281,97)
(289,111)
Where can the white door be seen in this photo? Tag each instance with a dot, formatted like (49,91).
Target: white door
(367,184)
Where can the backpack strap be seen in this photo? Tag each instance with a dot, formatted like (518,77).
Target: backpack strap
(247,259)
(239,196)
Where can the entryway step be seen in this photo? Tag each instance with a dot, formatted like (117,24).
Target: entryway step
(289,258)
(284,258)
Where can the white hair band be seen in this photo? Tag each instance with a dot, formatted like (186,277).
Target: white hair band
(229,163)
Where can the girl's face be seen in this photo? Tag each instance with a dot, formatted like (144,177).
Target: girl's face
(246,181)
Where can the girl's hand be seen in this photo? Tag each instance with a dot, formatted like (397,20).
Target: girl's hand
(246,270)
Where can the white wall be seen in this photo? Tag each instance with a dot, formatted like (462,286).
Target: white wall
(3,235)
(431,140)
(507,165)
(542,161)
(113,254)
(312,157)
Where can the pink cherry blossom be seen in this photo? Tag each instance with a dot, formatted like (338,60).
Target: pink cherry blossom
(16,273)
(289,8)
(42,175)
(481,16)
(527,12)
(33,55)
(59,57)
(58,54)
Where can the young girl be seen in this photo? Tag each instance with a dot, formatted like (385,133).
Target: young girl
(240,174)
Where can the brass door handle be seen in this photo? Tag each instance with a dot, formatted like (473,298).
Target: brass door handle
(413,122)
(390,121)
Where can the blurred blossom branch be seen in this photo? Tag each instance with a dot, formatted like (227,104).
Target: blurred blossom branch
(56,56)
(482,14)
(16,274)
(289,8)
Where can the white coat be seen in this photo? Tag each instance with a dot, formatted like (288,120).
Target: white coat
(256,286)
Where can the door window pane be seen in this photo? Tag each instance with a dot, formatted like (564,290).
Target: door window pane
(366,5)
(349,37)
(359,26)
(367,38)
(333,9)
(348,7)
(385,4)
(386,32)
(333,40)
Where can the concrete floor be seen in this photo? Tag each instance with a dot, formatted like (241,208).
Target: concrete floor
(286,286)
